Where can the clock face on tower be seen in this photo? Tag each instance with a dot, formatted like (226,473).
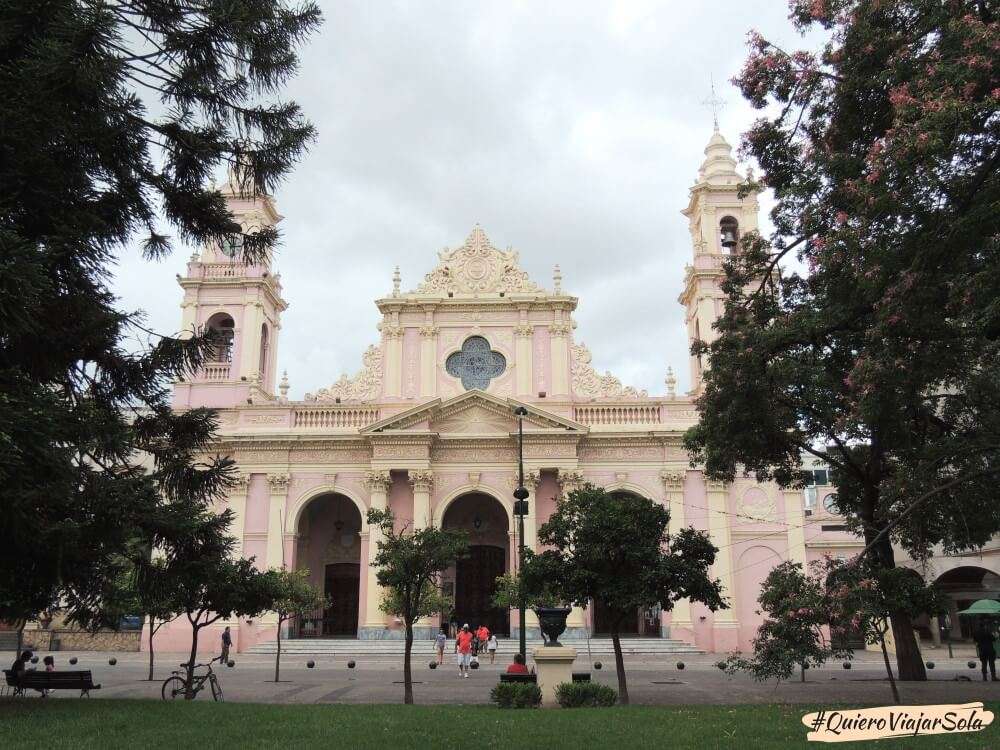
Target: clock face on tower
(830,504)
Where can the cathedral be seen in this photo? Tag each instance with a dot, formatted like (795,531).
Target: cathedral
(427,428)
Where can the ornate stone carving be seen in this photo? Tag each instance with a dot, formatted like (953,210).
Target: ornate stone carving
(525,330)
(559,329)
(365,386)
(672,478)
(278,482)
(393,332)
(241,483)
(378,481)
(429,331)
(475,268)
(757,504)
(569,480)
(531,479)
(474,478)
(586,381)
(421,480)
(621,477)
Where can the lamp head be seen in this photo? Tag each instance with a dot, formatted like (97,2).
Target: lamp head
(521,493)
(520,411)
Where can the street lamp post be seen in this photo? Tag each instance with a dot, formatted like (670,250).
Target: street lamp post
(521,510)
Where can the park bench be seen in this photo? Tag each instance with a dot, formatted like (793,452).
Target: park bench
(79,680)
(504,677)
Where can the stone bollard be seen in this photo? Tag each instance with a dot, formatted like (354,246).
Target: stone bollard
(553,665)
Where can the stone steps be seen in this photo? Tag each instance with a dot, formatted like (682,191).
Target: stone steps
(508,647)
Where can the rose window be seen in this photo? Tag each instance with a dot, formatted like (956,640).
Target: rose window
(475,364)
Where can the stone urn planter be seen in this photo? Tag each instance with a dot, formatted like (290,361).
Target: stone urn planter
(552,622)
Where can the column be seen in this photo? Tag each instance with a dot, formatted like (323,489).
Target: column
(422,481)
(249,343)
(523,333)
(275,520)
(726,627)
(681,625)
(795,518)
(238,504)
(576,623)
(393,333)
(559,348)
(428,356)
(374,623)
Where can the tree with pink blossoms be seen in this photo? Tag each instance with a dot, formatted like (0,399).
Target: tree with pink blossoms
(878,352)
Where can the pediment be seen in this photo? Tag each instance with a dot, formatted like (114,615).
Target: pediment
(473,413)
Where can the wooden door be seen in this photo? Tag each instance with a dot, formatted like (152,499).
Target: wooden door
(342,586)
(475,583)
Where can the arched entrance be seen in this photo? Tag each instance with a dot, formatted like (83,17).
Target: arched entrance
(963,586)
(329,545)
(474,578)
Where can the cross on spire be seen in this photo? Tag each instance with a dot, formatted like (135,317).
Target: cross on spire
(714,102)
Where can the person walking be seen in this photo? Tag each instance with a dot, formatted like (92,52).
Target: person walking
(491,646)
(483,634)
(983,638)
(227,641)
(439,642)
(463,650)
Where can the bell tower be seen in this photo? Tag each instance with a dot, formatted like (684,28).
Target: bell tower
(717,218)
(243,304)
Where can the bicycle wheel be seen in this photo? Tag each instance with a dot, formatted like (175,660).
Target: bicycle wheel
(173,687)
(216,689)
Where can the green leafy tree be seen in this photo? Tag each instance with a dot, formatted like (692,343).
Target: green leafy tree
(116,115)
(409,564)
(881,356)
(796,632)
(295,597)
(147,594)
(614,548)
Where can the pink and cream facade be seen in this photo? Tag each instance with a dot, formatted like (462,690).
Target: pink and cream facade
(426,428)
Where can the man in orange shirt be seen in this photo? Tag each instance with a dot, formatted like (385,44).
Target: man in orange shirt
(483,634)
(463,648)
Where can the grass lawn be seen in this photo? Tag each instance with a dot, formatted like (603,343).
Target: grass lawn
(100,723)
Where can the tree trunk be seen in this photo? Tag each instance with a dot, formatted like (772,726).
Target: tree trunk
(407,673)
(620,667)
(189,693)
(888,668)
(277,654)
(908,659)
(152,622)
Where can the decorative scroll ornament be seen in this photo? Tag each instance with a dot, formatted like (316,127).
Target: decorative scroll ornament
(476,268)
(365,386)
(586,381)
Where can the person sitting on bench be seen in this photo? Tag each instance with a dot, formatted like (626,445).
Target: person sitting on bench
(518,667)
(20,665)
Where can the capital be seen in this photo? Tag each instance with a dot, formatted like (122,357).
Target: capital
(378,481)
(421,479)
(569,479)
(392,332)
(278,482)
(524,330)
(531,480)
(429,331)
(672,477)
(241,483)
(559,329)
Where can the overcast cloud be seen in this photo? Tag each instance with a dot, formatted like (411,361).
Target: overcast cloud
(569,130)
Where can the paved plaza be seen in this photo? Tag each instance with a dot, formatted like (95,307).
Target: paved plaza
(652,681)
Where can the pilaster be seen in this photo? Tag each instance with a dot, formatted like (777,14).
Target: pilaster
(238,504)
(524,333)
(393,334)
(718,529)
(559,347)
(569,480)
(681,625)
(422,482)
(278,484)
(428,356)
(249,340)
(378,489)
(795,518)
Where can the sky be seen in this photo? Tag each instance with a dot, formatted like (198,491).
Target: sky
(570,131)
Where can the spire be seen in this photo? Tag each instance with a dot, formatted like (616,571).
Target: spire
(714,102)
(396,279)
(557,279)
(671,382)
(283,386)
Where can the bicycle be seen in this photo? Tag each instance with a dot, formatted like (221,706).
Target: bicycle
(176,686)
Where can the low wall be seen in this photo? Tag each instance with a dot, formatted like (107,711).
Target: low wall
(66,639)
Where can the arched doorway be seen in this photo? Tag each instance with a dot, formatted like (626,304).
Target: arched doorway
(329,545)
(963,586)
(474,578)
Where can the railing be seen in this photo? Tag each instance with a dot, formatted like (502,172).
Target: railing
(617,414)
(333,417)
(218,371)
(222,270)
